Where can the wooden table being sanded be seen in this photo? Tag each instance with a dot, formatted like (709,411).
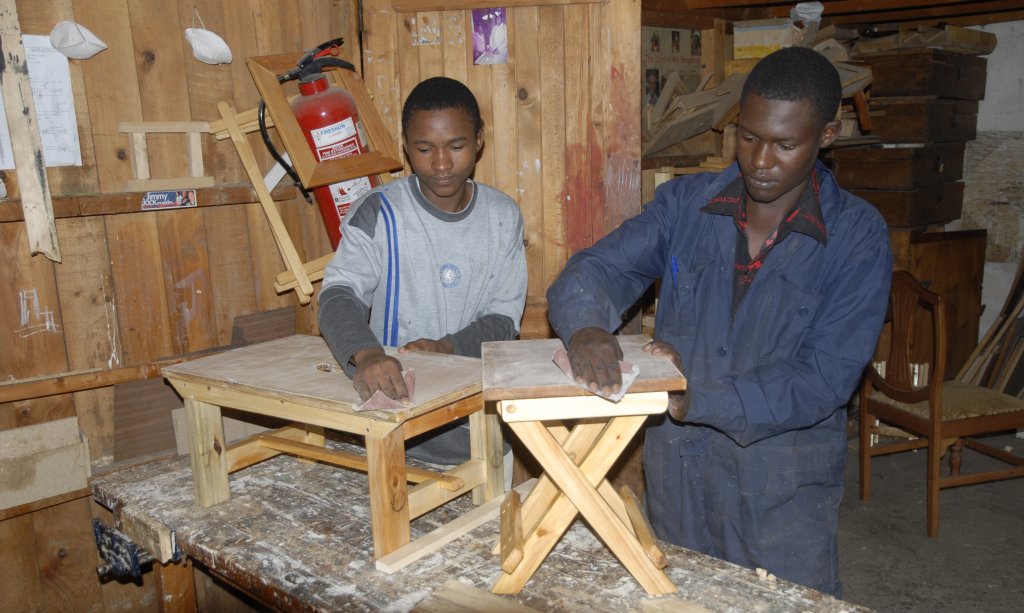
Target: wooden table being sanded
(297,379)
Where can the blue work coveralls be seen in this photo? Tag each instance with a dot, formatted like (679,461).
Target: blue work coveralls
(755,476)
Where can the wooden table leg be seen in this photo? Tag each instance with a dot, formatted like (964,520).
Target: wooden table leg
(389,492)
(578,484)
(207,452)
(485,444)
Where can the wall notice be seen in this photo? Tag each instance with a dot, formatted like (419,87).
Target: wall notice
(55,107)
(668,50)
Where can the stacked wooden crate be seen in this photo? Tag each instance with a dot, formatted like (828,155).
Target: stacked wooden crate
(924,104)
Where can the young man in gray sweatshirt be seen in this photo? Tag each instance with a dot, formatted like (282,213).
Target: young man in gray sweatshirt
(429,262)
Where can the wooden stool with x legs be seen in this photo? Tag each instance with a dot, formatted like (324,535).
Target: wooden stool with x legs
(536,400)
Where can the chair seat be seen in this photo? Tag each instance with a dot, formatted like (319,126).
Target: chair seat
(960,401)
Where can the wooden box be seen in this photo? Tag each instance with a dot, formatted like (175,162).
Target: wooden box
(759,37)
(915,208)
(889,167)
(924,119)
(927,72)
(951,264)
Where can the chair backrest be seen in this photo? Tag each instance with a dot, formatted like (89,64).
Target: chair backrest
(912,305)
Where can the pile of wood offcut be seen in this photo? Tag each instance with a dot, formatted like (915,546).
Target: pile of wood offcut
(681,115)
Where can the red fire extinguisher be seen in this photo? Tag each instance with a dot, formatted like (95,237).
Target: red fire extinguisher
(330,121)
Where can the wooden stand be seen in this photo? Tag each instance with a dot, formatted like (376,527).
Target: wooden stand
(296,378)
(381,161)
(534,398)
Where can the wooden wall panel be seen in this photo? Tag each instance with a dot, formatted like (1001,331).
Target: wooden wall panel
(111,87)
(66,557)
(89,317)
(138,286)
(160,65)
(187,283)
(578,130)
(529,100)
(39,18)
(31,333)
(428,38)
(562,133)
(208,85)
(18,565)
(231,271)
(143,319)
(553,139)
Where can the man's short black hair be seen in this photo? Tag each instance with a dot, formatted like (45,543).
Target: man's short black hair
(797,73)
(439,93)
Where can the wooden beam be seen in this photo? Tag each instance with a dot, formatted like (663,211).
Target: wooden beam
(428,544)
(80,380)
(354,461)
(641,528)
(30,507)
(511,532)
(416,6)
(87,205)
(26,143)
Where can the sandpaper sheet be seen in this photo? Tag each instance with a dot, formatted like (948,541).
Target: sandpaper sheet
(380,402)
(629,374)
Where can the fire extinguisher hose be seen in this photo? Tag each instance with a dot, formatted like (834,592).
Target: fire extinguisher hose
(261,115)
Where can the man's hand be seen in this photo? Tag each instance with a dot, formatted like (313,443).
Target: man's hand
(375,370)
(425,344)
(594,357)
(678,402)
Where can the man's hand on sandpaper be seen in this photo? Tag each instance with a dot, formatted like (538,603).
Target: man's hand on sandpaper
(594,356)
(375,370)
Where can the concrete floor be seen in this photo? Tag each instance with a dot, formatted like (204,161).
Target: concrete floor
(888,563)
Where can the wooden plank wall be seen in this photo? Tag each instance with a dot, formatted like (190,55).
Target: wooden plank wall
(135,287)
(562,130)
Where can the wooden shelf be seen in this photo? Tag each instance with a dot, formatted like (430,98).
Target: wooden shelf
(85,205)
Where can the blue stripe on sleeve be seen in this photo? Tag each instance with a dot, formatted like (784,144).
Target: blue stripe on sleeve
(391,286)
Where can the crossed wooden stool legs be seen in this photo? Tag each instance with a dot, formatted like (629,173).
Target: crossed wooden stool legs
(575,463)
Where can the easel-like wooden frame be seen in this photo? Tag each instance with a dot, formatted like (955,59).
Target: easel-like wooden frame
(382,161)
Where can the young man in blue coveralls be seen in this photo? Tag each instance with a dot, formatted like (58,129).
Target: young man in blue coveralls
(774,289)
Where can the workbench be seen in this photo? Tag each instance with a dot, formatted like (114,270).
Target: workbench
(297,537)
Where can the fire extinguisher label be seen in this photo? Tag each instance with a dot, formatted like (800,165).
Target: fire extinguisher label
(336,140)
(345,193)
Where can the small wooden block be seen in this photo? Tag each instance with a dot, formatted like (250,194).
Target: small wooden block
(511,532)
(455,596)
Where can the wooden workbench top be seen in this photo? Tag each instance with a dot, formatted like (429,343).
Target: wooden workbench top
(297,537)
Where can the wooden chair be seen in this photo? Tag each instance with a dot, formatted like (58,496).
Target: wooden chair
(944,415)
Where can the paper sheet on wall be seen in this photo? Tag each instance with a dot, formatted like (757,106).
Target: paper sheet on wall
(50,78)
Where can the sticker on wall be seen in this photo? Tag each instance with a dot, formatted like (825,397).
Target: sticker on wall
(173,199)
(490,36)
(424,29)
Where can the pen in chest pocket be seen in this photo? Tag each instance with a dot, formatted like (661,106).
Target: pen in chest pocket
(675,270)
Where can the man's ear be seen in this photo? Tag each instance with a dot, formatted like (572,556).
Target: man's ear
(829,133)
(480,139)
